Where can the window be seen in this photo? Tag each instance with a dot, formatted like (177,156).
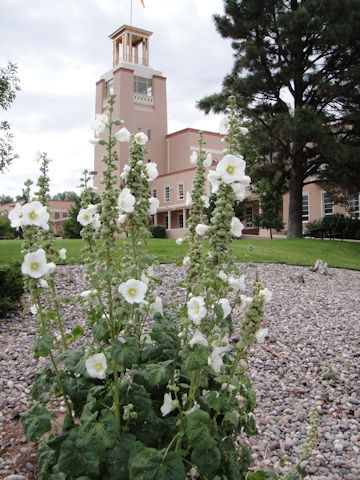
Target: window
(57,215)
(180,191)
(166,222)
(305,208)
(109,88)
(354,209)
(167,194)
(249,216)
(149,134)
(181,220)
(143,85)
(328,206)
(65,214)
(154,193)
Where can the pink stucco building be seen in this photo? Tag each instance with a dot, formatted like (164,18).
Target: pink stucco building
(141,102)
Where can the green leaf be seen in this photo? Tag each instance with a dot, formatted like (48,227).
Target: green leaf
(43,345)
(77,459)
(116,459)
(125,354)
(73,360)
(46,459)
(100,329)
(75,333)
(195,357)
(301,471)
(250,425)
(199,430)
(156,373)
(149,464)
(164,333)
(36,422)
(138,396)
(44,385)
(207,461)
(231,420)
(102,433)
(215,400)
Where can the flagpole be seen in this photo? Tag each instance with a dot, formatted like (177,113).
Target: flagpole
(130,13)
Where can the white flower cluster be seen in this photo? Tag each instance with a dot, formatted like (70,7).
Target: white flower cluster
(32,213)
(88,216)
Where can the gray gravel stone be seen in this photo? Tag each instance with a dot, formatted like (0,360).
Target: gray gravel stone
(310,357)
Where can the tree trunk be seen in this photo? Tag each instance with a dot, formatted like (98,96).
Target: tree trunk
(271,233)
(294,227)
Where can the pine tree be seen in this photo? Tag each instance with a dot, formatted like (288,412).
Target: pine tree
(296,79)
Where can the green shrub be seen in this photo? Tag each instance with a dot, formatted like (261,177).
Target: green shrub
(158,231)
(6,231)
(338,223)
(11,287)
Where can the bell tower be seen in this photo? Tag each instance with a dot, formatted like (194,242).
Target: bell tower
(140,97)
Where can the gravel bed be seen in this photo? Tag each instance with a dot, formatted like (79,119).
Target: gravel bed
(310,357)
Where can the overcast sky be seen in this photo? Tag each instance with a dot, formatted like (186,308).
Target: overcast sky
(62,48)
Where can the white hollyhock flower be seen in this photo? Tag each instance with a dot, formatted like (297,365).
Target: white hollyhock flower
(198,338)
(96,222)
(193,473)
(15,216)
(237,283)
(186,261)
(51,267)
(167,406)
(261,334)
(34,309)
(244,130)
(179,241)
(34,213)
(95,141)
(123,135)
(140,138)
(245,180)
(188,200)
(245,301)
(126,201)
(222,275)
(231,168)
(85,217)
(194,158)
(267,294)
(62,254)
(122,218)
(201,229)
(156,307)
(38,156)
(236,227)
(215,360)
(88,293)
(196,309)
(96,366)
(154,205)
(225,305)
(214,178)
(239,190)
(206,201)
(35,264)
(133,290)
(208,160)
(125,172)
(151,170)
(43,283)
(145,338)
(224,126)
(100,123)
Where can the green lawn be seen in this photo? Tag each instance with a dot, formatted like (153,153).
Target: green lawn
(290,251)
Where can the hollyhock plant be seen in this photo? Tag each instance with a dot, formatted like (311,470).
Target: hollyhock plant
(100,123)
(193,158)
(236,227)
(202,229)
(151,390)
